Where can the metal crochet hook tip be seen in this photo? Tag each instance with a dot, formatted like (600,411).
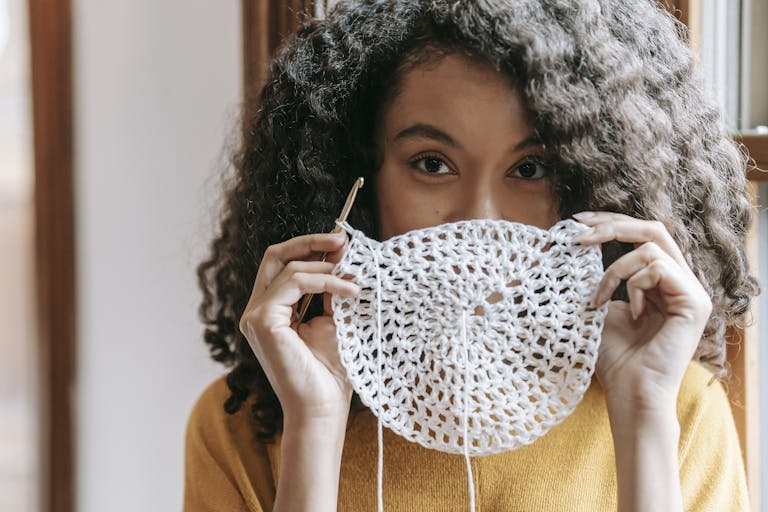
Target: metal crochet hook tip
(306,299)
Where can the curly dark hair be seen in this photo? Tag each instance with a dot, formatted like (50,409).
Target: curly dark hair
(614,96)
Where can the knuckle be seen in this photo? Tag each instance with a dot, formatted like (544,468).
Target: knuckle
(292,266)
(610,274)
(650,250)
(269,252)
(245,324)
(657,265)
(250,322)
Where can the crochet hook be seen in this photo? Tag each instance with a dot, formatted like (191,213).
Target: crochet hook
(305,300)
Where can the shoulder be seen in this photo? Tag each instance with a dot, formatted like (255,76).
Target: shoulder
(712,475)
(700,388)
(208,414)
(211,427)
(703,408)
(226,468)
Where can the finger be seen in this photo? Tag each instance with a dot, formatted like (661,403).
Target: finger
(625,267)
(660,275)
(290,291)
(301,247)
(617,226)
(636,300)
(315,267)
(335,255)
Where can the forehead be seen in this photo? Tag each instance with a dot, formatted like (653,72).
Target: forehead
(458,90)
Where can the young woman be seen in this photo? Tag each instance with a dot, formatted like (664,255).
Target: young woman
(525,110)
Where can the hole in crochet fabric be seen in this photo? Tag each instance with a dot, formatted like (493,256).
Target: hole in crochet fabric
(516,282)
(494,298)
(479,311)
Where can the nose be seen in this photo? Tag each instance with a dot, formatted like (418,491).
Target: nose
(478,198)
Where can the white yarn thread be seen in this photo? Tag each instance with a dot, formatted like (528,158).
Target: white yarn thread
(379,423)
(470,478)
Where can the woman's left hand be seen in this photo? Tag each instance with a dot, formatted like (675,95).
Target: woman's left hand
(647,344)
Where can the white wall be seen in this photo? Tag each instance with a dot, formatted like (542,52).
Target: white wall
(156,88)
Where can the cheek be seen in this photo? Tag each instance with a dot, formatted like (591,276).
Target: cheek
(403,205)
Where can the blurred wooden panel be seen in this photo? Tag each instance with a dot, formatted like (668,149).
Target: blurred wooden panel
(265,24)
(51,80)
(757,146)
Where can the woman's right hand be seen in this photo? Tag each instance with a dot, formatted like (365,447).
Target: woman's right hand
(301,361)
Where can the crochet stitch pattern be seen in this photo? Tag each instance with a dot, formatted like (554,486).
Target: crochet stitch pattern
(475,330)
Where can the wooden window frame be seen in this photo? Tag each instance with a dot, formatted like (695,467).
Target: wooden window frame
(51,87)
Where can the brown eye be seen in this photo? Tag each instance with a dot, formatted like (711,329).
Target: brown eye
(531,170)
(431,165)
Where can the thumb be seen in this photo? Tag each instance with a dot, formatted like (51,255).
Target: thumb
(319,334)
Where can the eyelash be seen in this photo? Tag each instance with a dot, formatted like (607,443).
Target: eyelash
(530,160)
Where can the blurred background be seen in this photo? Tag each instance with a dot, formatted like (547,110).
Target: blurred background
(113,123)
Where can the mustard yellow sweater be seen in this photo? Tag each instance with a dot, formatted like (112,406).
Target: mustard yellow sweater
(571,468)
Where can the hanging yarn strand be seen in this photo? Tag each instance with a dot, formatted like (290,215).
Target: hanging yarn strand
(380,401)
(470,478)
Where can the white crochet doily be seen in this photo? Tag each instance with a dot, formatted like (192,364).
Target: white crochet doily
(508,298)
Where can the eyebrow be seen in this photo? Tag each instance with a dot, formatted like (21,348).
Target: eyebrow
(427,131)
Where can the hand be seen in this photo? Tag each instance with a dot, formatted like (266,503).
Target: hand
(301,361)
(647,344)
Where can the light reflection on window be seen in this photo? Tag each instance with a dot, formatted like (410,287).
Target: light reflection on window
(18,405)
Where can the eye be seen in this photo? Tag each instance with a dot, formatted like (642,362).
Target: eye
(431,165)
(533,169)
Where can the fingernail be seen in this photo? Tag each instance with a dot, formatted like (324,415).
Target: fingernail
(584,215)
(584,235)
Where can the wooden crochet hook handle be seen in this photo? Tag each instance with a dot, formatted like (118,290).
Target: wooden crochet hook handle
(305,300)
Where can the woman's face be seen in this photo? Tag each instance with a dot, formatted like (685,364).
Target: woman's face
(458,144)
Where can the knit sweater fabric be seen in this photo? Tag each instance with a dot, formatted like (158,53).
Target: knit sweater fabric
(571,468)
